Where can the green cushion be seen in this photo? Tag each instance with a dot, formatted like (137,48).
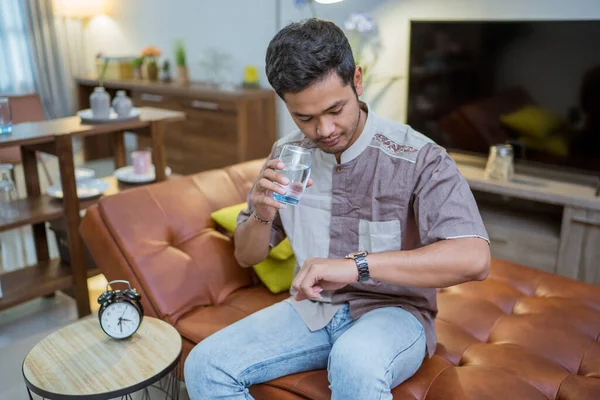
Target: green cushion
(277,271)
(532,121)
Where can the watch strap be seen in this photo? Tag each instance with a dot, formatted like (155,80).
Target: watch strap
(360,258)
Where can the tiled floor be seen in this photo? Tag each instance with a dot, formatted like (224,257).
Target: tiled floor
(23,326)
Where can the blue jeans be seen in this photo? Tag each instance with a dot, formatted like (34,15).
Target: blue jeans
(365,358)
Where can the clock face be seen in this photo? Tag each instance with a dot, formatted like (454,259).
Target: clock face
(120,320)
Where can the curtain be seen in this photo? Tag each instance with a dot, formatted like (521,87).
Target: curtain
(53,81)
(17,74)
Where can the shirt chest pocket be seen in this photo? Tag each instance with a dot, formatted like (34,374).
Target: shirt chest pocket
(379,236)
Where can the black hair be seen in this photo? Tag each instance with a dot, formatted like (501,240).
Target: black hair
(304,53)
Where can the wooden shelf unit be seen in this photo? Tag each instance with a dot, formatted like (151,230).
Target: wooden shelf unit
(55,137)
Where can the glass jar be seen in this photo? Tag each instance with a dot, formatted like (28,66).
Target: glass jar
(500,163)
(8,193)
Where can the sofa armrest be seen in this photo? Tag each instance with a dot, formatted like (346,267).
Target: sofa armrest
(107,255)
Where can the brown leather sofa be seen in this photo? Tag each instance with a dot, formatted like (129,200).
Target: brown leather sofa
(520,334)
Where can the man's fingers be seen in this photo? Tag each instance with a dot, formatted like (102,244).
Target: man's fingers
(309,285)
(275,177)
(275,164)
(266,200)
(266,184)
(297,282)
(309,183)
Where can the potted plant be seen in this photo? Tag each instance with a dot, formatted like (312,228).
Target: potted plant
(180,59)
(137,63)
(166,71)
(151,54)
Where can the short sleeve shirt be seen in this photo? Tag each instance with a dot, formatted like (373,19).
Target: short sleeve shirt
(394,189)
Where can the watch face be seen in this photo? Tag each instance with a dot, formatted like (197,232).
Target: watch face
(120,320)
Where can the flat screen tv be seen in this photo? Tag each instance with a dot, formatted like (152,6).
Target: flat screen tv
(535,84)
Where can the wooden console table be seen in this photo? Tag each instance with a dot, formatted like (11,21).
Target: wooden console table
(222,127)
(56,137)
(548,223)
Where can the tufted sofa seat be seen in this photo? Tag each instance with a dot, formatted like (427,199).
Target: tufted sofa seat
(520,334)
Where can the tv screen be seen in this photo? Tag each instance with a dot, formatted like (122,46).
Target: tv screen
(535,84)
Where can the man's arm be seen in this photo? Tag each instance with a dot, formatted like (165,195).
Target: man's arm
(252,240)
(253,236)
(441,264)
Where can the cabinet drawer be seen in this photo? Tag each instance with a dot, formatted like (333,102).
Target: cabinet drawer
(206,104)
(150,99)
(218,125)
(206,153)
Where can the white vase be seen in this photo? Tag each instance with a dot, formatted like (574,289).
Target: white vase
(122,104)
(100,103)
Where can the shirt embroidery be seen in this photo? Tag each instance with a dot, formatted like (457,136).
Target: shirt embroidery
(394,149)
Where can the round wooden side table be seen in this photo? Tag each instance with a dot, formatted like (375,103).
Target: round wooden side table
(80,361)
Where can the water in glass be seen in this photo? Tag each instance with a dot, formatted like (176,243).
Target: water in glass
(297,163)
(5,117)
(8,193)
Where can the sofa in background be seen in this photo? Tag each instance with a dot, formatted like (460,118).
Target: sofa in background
(477,125)
(520,334)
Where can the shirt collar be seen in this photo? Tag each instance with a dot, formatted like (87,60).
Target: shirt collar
(365,137)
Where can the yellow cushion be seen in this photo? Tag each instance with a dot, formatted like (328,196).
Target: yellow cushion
(277,271)
(282,251)
(276,275)
(227,217)
(532,121)
(554,145)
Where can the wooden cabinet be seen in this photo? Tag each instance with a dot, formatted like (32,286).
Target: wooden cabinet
(221,127)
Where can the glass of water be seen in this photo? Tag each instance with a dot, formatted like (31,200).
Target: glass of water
(5,117)
(297,163)
(8,192)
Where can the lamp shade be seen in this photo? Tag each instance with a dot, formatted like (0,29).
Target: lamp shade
(79,8)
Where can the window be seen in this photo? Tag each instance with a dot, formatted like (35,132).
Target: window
(16,63)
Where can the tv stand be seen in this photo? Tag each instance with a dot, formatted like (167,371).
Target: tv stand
(542,218)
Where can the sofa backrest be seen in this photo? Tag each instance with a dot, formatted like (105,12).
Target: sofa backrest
(165,233)
(476,126)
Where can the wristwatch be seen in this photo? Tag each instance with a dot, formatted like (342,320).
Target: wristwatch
(360,258)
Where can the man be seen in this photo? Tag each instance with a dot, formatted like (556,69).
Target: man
(387,219)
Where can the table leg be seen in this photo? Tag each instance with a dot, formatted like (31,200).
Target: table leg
(64,151)
(157,132)
(32,185)
(119,150)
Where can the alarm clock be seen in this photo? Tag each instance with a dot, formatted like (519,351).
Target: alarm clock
(121,312)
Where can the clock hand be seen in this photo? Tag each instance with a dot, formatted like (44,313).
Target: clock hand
(125,319)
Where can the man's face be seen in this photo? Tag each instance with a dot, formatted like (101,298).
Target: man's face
(328,112)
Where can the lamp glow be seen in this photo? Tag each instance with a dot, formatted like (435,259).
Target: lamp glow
(81,9)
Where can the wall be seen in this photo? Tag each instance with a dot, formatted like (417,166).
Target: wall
(243,29)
